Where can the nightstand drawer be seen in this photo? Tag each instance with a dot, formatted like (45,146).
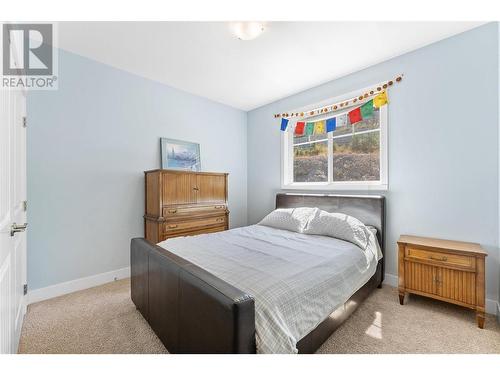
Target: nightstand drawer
(441,258)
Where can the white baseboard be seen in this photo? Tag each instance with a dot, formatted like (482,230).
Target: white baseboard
(391,280)
(491,305)
(56,290)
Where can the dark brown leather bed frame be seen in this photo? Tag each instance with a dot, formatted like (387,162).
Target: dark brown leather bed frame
(193,311)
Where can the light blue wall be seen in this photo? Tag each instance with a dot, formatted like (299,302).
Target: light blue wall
(88,145)
(443,143)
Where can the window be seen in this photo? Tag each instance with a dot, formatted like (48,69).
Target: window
(353,156)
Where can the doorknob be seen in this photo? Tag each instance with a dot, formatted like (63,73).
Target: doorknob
(17,228)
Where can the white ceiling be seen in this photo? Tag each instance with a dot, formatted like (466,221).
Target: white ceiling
(206,59)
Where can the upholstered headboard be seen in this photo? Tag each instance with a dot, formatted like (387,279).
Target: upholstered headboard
(370,209)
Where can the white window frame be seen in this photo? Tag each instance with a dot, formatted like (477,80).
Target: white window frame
(287,164)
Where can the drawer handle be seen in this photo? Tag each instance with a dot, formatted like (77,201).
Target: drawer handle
(442,259)
(173,226)
(436,280)
(218,207)
(220,219)
(172,211)
(196,188)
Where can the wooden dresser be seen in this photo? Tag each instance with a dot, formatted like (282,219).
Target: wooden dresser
(182,203)
(450,271)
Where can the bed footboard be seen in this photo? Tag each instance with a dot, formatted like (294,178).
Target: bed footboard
(191,310)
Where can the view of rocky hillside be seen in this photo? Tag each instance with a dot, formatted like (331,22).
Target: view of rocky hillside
(346,167)
(355,158)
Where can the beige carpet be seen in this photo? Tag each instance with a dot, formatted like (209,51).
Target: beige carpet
(104,320)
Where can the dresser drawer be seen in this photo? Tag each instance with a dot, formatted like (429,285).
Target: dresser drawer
(440,258)
(170,212)
(193,232)
(194,224)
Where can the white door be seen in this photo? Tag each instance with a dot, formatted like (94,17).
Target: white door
(12,213)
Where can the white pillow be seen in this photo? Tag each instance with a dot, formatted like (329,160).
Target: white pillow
(372,229)
(340,226)
(292,219)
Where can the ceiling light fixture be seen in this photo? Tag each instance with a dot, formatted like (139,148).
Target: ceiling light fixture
(247,30)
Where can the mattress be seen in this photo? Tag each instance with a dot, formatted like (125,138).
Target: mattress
(297,280)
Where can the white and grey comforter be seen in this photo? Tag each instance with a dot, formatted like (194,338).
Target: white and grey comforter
(297,280)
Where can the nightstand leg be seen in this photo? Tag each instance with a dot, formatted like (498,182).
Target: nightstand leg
(480,319)
(401,298)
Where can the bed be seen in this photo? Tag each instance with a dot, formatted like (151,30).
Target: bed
(192,310)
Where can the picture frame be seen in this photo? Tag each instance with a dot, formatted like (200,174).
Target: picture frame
(180,155)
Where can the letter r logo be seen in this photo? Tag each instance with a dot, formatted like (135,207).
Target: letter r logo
(27,49)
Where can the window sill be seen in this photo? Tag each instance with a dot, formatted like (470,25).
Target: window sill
(319,186)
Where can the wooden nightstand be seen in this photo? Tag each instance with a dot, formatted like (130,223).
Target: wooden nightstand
(450,271)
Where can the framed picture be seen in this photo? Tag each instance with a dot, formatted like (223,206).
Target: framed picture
(177,154)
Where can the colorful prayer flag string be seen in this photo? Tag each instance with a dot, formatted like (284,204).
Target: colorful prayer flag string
(379,89)
(355,115)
